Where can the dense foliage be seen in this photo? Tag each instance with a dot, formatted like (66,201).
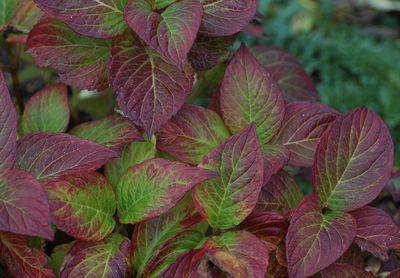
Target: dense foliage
(162,187)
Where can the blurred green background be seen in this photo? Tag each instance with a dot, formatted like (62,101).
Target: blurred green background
(351,48)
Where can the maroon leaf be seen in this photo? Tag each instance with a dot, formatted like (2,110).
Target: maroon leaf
(185,266)
(170,32)
(275,157)
(227,200)
(353,256)
(394,186)
(149,89)
(192,134)
(281,194)
(353,161)
(209,51)
(240,254)
(49,155)
(21,260)
(312,233)
(249,94)
(104,259)
(23,205)
(97,18)
(226,17)
(268,226)
(394,274)
(376,231)
(293,80)
(339,270)
(8,127)
(302,127)
(80,61)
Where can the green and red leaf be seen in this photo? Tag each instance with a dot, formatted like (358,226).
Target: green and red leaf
(79,60)
(275,156)
(249,94)
(26,16)
(8,127)
(340,270)
(226,17)
(311,233)
(353,161)
(291,76)
(7,11)
(113,131)
(239,254)
(153,187)
(303,125)
(226,200)
(21,260)
(192,134)
(376,231)
(186,265)
(82,205)
(47,111)
(170,32)
(23,205)
(103,259)
(96,18)
(49,155)
(149,89)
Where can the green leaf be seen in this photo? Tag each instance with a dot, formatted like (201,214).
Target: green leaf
(7,10)
(57,257)
(47,110)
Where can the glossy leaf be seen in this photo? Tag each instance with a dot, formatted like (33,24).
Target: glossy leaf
(339,270)
(83,205)
(267,226)
(47,110)
(281,193)
(104,259)
(150,90)
(113,131)
(192,134)
(151,236)
(302,127)
(21,260)
(79,60)
(293,80)
(240,254)
(249,94)
(132,154)
(376,231)
(23,205)
(209,51)
(312,233)
(170,32)
(226,17)
(8,127)
(353,161)
(97,18)
(227,200)
(49,155)
(7,10)
(154,186)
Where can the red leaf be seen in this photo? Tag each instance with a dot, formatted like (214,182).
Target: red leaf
(281,194)
(21,260)
(49,155)
(149,89)
(293,80)
(8,127)
(339,270)
(185,266)
(80,61)
(268,226)
(275,157)
(170,32)
(302,127)
(353,161)
(394,274)
(249,94)
(376,231)
(312,234)
(226,17)
(23,205)
(192,134)
(240,254)
(227,200)
(97,18)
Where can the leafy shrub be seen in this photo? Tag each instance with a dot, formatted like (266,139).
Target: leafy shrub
(185,190)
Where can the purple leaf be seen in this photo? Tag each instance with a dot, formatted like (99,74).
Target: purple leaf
(340,270)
